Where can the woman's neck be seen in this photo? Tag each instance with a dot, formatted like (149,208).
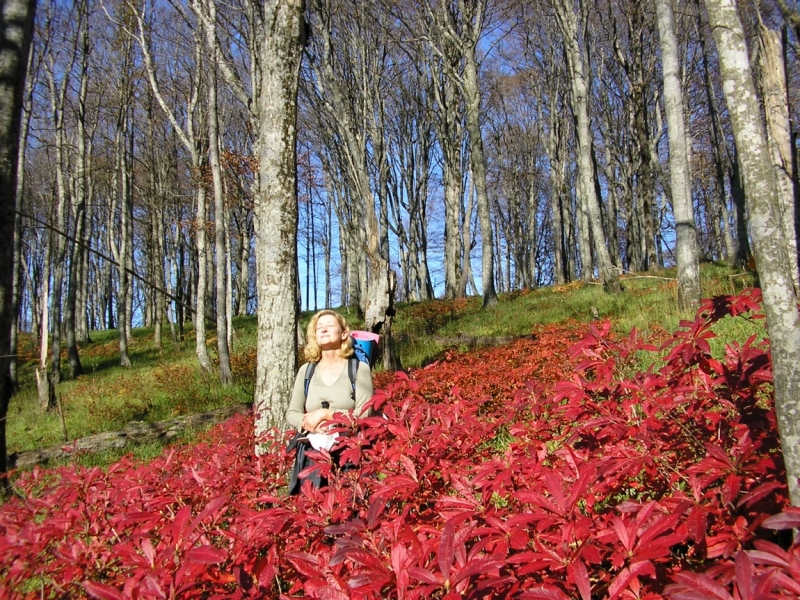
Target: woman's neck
(330,357)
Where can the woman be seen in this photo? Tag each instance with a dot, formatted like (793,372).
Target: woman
(328,344)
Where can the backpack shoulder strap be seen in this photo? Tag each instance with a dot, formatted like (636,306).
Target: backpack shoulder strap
(352,371)
(309,374)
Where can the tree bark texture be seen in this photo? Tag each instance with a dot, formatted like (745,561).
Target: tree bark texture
(568,23)
(679,171)
(16,27)
(779,137)
(220,247)
(764,206)
(478,163)
(276,211)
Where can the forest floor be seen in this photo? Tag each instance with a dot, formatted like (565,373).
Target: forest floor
(614,449)
(166,382)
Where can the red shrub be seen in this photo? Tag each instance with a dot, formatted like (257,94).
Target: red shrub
(537,470)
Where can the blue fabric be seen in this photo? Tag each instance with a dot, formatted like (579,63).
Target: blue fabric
(365,350)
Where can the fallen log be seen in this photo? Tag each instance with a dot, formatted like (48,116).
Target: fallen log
(134,433)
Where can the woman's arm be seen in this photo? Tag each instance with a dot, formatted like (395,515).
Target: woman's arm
(297,405)
(364,389)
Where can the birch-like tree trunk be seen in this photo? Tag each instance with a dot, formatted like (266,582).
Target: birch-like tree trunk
(244,230)
(125,204)
(472,99)
(553,144)
(45,391)
(79,201)
(467,242)
(779,137)
(276,209)
(447,123)
(355,114)
(195,147)
(685,231)
(220,247)
(766,230)
(16,27)
(568,24)
(57,86)
(458,27)
(717,142)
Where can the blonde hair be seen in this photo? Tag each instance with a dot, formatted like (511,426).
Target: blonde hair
(311,351)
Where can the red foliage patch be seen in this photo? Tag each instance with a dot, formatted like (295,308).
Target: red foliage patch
(537,470)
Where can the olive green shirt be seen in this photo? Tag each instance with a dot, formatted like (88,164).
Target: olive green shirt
(338,395)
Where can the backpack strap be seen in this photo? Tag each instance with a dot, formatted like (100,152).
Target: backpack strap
(309,374)
(352,372)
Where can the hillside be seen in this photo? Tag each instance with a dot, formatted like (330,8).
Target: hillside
(551,467)
(166,383)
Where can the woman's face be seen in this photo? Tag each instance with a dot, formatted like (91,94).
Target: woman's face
(329,333)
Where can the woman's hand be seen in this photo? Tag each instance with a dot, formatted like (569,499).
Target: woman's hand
(314,421)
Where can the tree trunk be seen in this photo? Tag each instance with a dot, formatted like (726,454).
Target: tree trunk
(220,248)
(467,243)
(243,265)
(447,124)
(26,102)
(584,231)
(478,163)
(779,137)
(452,254)
(125,243)
(195,148)
(686,234)
(77,251)
(391,354)
(737,194)
(159,257)
(57,88)
(567,21)
(276,211)
(719,165)
(764,208)
(201,217)
(45,391)
(16,27)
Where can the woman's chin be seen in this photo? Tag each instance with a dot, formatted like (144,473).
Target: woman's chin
(330,346)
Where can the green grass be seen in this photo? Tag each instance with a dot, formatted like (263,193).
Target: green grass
(164,382)
(161,384)
(648,303)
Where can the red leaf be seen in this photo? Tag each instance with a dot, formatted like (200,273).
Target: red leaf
(554,487)
(788,519)
(697,522)
(447,549)
(148,551)
(621,581)
(211,507)
(744,575)
(701,583)
(400,561)
(102,591)
(326,592)
(545,592)
(478,567)
(788,583)
(421,574)
(622,533)
(581,577)
(206,555)
(759,492)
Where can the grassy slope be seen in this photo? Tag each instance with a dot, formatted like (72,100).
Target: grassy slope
(165,382)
